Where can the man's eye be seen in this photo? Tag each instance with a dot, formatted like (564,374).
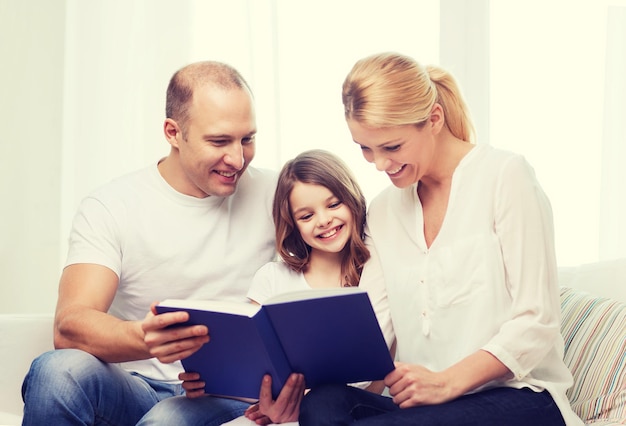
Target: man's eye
(219,142)
(248,140)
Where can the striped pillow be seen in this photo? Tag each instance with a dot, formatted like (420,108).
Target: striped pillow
(594,330)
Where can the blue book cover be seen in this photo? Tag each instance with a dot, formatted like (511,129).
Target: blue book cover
(329,335)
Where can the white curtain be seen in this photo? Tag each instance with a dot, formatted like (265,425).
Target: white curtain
(555,97)
(295,55)
(84,91)
(613,193)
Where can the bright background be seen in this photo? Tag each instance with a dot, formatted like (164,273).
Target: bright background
(82,92)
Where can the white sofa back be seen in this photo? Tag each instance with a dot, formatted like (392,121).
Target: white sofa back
(23,338)
(605,279)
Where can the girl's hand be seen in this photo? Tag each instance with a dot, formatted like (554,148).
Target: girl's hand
(194,387)
(254,413)
(284,408)
(412,385)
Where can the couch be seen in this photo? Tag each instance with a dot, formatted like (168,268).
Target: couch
(593,303)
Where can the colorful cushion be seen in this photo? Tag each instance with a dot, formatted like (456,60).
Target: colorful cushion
(594,330)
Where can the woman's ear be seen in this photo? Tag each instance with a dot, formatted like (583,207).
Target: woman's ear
(171,131)
(437,118)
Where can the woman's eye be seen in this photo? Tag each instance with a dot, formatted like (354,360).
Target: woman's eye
(392,148)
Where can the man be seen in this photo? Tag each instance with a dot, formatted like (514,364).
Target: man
(195,225)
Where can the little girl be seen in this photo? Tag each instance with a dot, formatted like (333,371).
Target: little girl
(319,213)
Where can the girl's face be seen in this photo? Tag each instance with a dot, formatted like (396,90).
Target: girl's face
(405,153)
(323,220)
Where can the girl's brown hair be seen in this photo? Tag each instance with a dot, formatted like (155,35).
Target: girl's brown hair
(323,168)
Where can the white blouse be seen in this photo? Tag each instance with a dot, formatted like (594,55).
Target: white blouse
(489,279)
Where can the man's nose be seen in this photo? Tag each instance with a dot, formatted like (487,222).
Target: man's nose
(234,156)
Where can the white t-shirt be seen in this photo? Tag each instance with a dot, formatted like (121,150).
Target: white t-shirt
(276,278)
(488,280)
(164,244)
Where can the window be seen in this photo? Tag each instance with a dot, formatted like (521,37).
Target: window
(548,98)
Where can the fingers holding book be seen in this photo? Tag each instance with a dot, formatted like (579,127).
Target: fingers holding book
(169,341)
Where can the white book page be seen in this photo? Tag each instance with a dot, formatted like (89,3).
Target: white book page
(314,293)
(225,306)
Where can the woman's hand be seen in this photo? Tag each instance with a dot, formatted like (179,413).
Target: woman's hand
(412,385)
(194,387)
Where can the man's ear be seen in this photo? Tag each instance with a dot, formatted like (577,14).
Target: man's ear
(437,118)
(172,131)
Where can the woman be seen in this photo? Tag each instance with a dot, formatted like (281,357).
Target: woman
(465,240)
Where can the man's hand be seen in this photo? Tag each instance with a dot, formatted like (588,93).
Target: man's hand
(282,410)
(174,343)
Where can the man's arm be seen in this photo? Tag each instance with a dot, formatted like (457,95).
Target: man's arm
(86,292)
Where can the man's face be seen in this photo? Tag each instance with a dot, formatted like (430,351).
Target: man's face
(219,142)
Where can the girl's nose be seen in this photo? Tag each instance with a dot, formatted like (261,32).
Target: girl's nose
(325,220)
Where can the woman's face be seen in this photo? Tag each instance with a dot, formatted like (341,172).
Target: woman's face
(405,153)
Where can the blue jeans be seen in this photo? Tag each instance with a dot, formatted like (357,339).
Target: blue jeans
(182,411)
(341,405)
(72,387)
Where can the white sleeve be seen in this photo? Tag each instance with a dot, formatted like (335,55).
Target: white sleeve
(262,284)
(95,237)
(523,223)
(373,281)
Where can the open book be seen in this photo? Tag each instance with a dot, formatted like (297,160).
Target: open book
(329,335)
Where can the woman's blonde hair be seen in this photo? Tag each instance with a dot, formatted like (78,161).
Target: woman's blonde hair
(390,89)
(323,168)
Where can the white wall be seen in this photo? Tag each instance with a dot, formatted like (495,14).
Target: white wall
(31,85)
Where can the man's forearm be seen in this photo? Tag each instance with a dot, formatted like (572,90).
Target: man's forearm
(100,334)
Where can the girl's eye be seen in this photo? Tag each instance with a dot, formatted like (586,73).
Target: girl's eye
(306,217)
(335,204)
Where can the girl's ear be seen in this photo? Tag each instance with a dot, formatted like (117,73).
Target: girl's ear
(171,131)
